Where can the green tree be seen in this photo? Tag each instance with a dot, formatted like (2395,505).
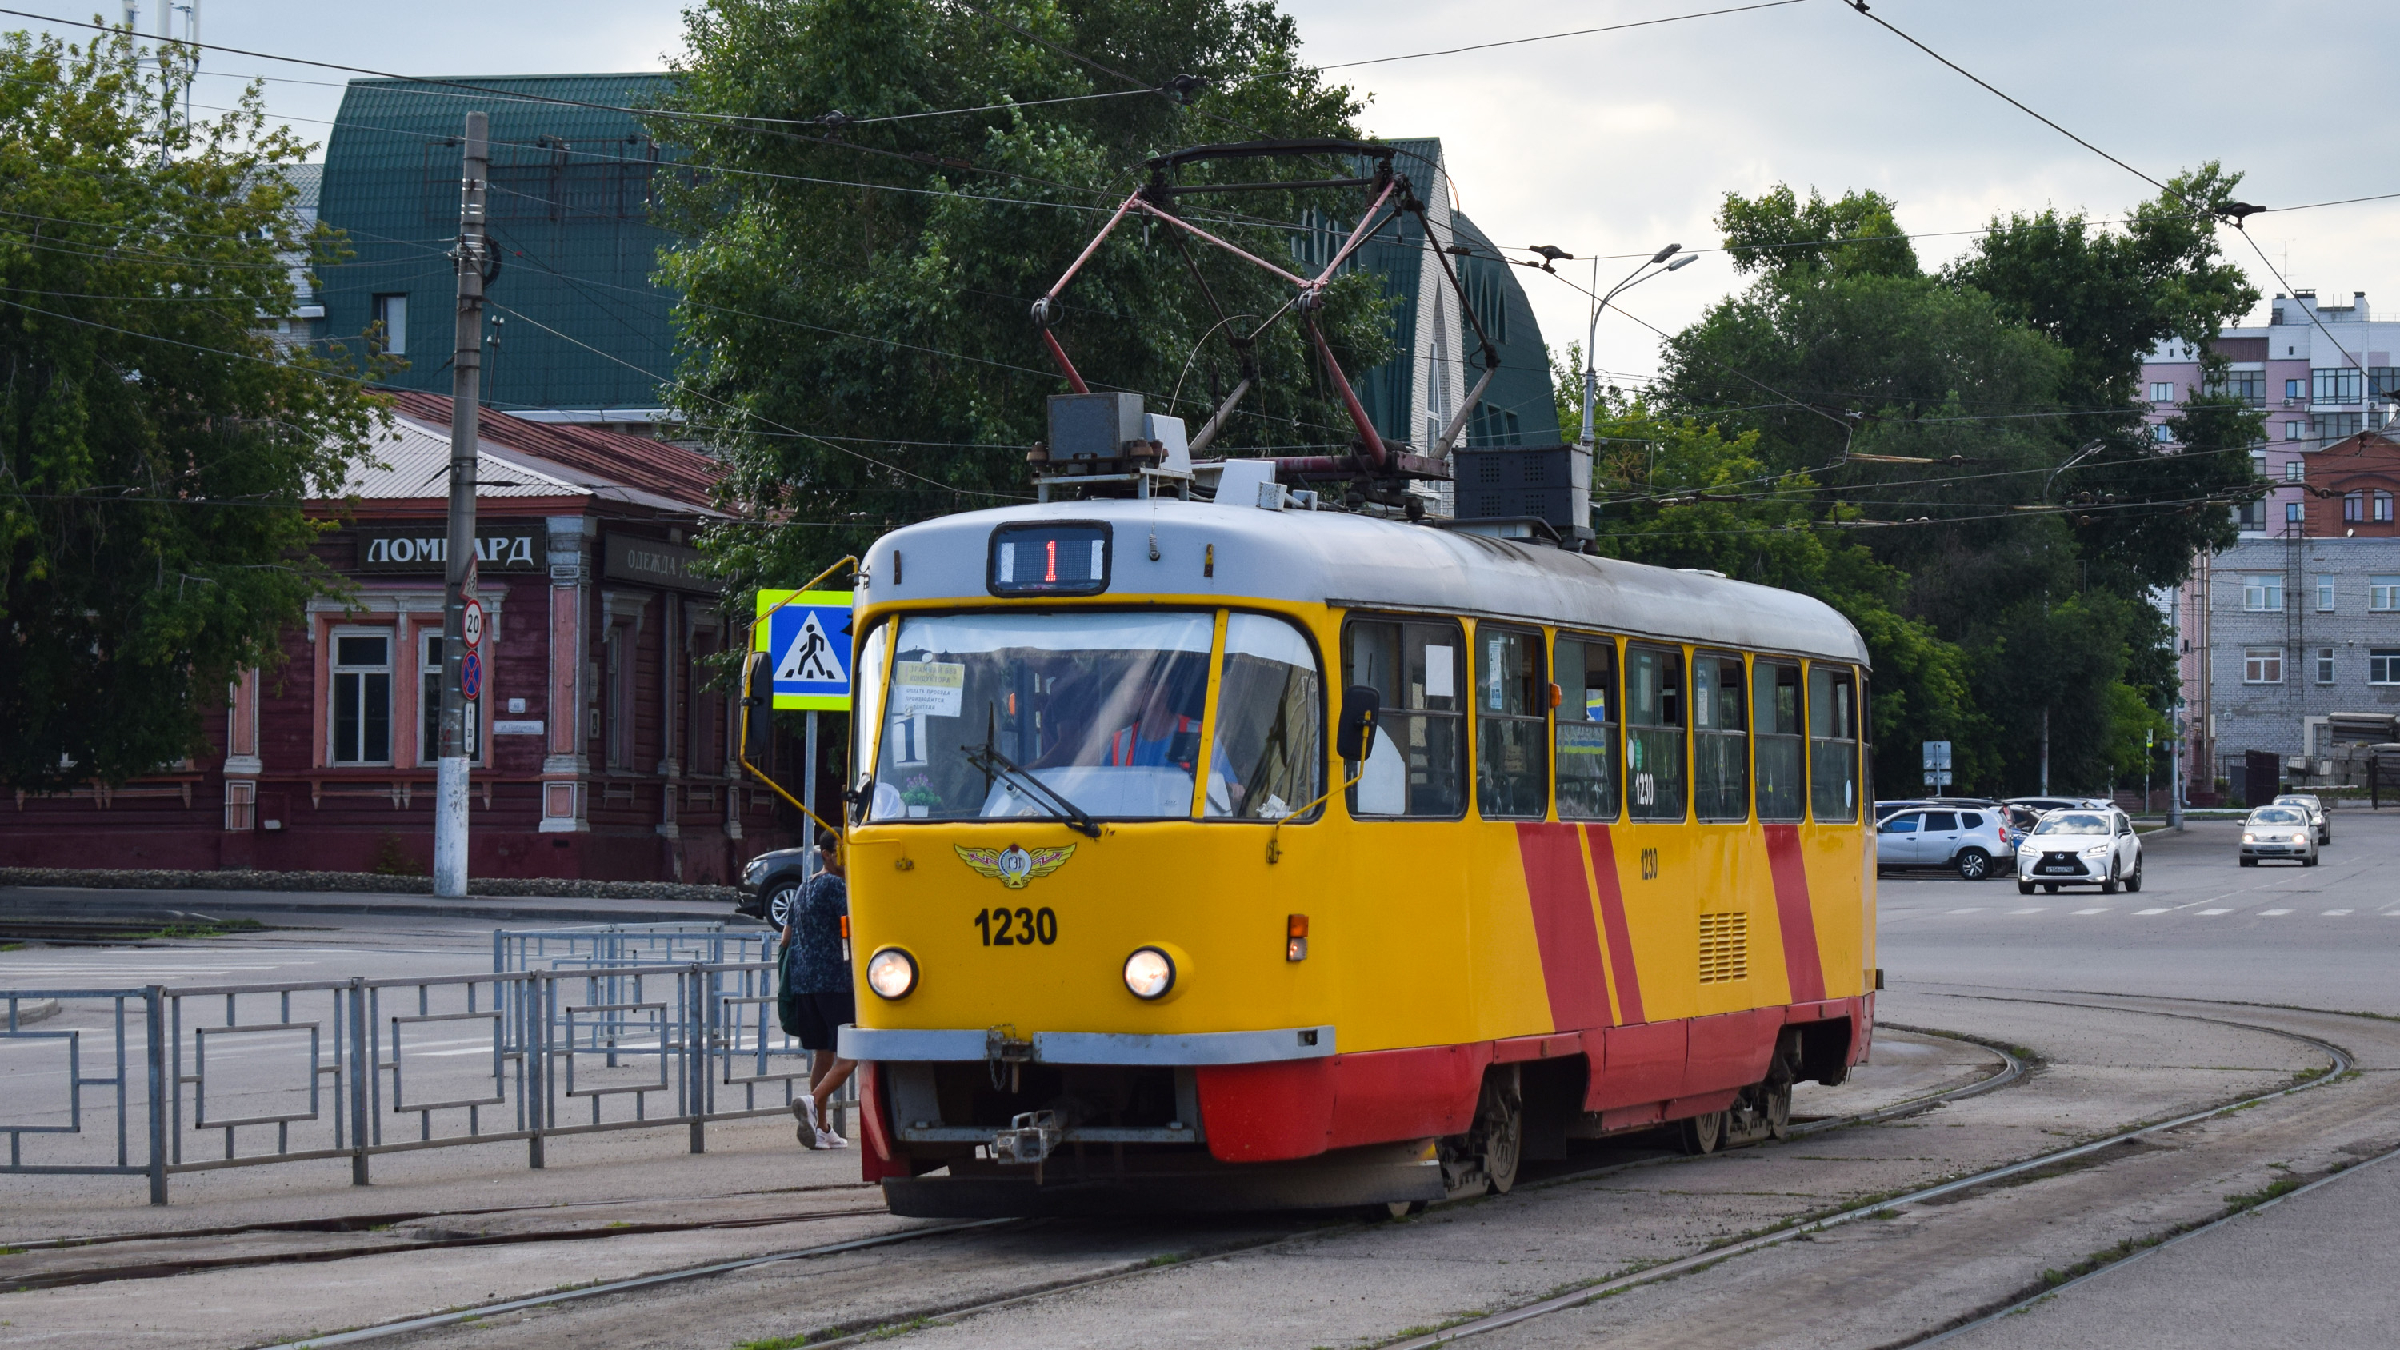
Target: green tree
(857,289)
(1982,427)
(155,444)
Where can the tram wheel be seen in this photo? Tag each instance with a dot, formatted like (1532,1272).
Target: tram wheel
(1500,1126)
(1702,1133)
(1777,1101)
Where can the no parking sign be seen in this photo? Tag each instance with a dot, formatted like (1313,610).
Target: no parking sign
(806,637)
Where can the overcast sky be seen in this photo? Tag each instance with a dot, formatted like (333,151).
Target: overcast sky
(1618,143)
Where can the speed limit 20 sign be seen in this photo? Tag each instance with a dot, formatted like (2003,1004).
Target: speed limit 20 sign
(470,623)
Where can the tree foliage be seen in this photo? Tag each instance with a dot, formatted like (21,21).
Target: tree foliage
(1975,439)
(155,442)
(857,289)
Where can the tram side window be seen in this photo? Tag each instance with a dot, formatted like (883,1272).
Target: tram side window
(1417,766)
(1833,742)
(1775,706)
(1270,754)
(1512,773)
(1720,739)
(1654,733)
(1586,672)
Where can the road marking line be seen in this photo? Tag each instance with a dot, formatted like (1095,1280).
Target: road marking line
(2097,909)
(1978,909)
(2270,913)
(2335,913)
(2149,911)
(2216,911)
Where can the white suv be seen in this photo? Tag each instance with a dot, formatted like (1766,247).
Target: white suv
(1976,840)
(2081,847)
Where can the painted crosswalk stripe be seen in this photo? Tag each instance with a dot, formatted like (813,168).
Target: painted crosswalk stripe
(1978,909)
(2140,912)
(2035,910)
(2216,911)
(2099,909)
(2270,913)
(2335,913)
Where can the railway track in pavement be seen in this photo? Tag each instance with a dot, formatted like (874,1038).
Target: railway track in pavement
(1868,1172)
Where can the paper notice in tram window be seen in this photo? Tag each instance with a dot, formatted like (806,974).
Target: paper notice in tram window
(1441,672)
(929,688)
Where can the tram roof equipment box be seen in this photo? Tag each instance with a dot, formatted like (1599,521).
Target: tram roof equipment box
(1551,484)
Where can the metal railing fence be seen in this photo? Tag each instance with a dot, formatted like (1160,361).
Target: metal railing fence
(223,1076)
(629,944)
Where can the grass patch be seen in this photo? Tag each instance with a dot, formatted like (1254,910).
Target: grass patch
(899,1328)
(12,946)
(776,1343)
(1163,1259)
(214,928)
(2248,1200)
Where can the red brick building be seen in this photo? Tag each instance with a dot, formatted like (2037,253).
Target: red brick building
(599,750)
(2353,488)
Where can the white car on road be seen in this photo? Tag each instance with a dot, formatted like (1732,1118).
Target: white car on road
(1975,841)
(2074,847)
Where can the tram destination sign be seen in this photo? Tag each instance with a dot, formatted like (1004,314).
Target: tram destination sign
(500,546)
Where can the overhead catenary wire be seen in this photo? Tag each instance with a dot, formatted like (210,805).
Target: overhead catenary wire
(1552,37)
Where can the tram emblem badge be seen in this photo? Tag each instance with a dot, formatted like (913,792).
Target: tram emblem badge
(1014,866)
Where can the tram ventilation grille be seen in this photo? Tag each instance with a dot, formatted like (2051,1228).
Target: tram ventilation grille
(1724,948)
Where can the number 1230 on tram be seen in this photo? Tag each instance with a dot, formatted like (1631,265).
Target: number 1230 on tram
(1210,856)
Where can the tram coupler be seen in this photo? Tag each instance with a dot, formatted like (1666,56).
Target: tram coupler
(1029,1138)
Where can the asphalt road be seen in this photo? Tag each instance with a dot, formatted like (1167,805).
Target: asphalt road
(2139,1006)
(2320,1269)
(2202,927)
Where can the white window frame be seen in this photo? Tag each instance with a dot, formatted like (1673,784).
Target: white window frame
(2291,431)
(391,310)
(2292,513)
(2324,665)
(2383,594)
(2258,588)
(2383,662)
(2162,391)
(2294,470)
(2325,595)
(2262,665)
(335,670)
(2382,512)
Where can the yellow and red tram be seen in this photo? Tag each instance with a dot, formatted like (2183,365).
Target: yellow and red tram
(1130,928)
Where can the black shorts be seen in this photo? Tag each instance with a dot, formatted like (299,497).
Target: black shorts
(822,1017)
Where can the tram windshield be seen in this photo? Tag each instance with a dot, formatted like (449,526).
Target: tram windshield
(2072,822)
(1101,709)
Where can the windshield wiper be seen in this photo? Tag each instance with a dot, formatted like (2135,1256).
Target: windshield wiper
(991,761)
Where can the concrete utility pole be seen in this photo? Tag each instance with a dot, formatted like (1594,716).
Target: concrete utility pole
(450,798)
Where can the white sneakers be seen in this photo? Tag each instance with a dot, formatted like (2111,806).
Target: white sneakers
(812,1135)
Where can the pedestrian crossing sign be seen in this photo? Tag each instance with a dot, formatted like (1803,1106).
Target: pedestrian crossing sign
(806,636)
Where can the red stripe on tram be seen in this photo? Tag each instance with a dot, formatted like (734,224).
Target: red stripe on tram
(1612,914)
(1562,927)
(1801,962)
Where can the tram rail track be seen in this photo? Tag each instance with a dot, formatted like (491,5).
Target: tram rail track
(2013,1069)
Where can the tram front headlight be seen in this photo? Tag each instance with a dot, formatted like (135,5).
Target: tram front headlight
(892,973)
(1149,973)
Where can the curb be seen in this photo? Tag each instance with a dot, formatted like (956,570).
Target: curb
(473,907)
(31,1011)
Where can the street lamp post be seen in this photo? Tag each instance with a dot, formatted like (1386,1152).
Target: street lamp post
(1591,368)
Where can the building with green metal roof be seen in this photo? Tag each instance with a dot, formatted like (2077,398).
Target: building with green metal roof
(576,330)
